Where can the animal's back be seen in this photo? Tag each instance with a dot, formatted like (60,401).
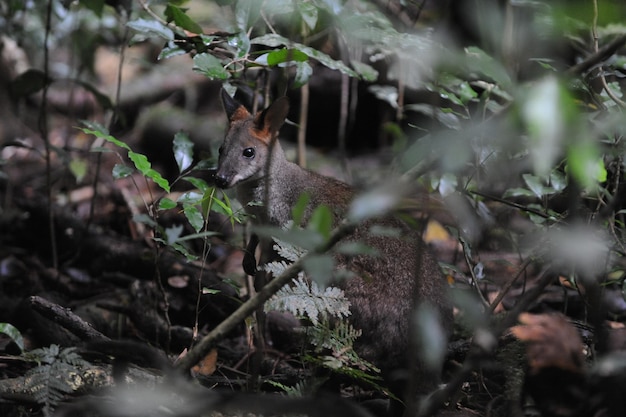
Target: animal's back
(384,288)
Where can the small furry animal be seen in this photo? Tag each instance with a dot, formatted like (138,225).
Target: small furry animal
(385,288)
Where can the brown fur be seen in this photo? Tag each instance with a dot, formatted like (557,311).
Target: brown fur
(385,288)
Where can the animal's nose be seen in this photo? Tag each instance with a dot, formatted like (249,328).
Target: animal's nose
(220,180)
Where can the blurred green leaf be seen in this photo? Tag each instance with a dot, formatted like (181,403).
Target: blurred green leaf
(180,18)
(309,12)
(210,66)
(585,164)
(95,6)
(190,197)
(166,204)
(183,151)
(199,183)
(13,333)
(151,28)
(121,171)
(195,218)
(299,209)
(283,55)
(274,41)
(321,221)
(173,233)
(374,203)
(246,13)
(78,168)
(304,71)
(320,268)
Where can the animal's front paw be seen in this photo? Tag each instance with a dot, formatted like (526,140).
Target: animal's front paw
(249,264)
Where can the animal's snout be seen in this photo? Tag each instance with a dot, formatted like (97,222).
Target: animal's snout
(221,180)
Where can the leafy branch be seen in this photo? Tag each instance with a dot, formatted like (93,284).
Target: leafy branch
(238,316)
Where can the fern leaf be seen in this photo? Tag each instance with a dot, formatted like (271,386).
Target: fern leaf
(305,300)
(53,378)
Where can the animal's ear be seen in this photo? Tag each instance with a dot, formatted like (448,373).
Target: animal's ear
(234,110)
(270,120)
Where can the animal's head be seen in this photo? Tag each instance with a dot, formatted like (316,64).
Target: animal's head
(248,142)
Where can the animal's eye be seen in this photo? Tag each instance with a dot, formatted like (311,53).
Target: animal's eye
(248,153)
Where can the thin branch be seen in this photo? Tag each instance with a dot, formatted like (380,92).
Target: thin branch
(246,309)
(600,55)
(594,31)
(302,124)
(43,129)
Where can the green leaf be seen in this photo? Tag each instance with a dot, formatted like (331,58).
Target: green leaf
(547,110)
(151,28)
(201,235)
(585,165)
(13,333)
(166,204)
(518,192)
(246,13)
(199,183)
(283,55)
(145,219)
(274,41)
(173,233)
(304,71)
(322,221)
(431,338)
(298,210)
(320,268)
(374,203)
(535,184)
(367,72)
(223,207)
(170,51)
(193,216)
(241,43)
(305,239)
(183,251)
(121,171)
(191,197)
(78,168)
(143,165)
(479,61)
(101,132)
(210,66)
(95,6)
(308,11)
(183,151)
(179,17)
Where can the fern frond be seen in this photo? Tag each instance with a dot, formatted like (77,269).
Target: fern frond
(304,299)
(288,251)
(54,377)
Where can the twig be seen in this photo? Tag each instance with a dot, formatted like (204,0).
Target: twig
(594,31)
(43,129)
(504,290)
(599,56)
(513,204)
(302,124)
(210,340)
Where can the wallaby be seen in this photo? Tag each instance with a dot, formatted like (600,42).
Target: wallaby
(385,288)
